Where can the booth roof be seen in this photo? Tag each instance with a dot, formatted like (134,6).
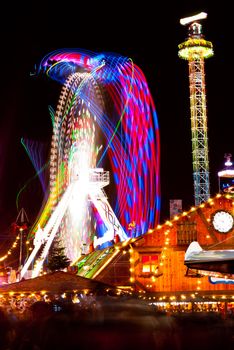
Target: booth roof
(56,282)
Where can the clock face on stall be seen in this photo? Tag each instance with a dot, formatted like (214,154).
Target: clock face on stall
(222,221)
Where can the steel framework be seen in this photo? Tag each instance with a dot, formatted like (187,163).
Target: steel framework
(196,49)
(97,179)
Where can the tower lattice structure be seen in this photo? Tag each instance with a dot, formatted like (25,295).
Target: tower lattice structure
(195,50)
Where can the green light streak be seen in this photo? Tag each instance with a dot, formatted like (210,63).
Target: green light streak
(26,184)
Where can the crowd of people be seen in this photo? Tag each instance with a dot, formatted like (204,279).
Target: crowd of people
(113,323)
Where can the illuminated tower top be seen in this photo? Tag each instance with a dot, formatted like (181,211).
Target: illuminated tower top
(226,176)
(195,46)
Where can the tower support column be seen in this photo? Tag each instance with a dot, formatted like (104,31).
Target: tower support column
(195,50)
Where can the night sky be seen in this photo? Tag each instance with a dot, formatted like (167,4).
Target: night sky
(150,37)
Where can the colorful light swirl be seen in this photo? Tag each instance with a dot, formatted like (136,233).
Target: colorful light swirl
(105,101)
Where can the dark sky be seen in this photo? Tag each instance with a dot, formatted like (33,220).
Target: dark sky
(149,33)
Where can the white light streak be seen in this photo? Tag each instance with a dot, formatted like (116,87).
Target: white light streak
(194,18)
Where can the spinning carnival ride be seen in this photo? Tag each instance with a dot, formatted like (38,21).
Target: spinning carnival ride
(105,118)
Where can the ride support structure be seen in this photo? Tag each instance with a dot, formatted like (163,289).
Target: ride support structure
(97,179)
(195,50)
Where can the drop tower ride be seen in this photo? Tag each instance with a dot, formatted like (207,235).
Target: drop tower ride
(195,50)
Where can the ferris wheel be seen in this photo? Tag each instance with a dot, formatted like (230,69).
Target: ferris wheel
(74,150)
(105,111)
